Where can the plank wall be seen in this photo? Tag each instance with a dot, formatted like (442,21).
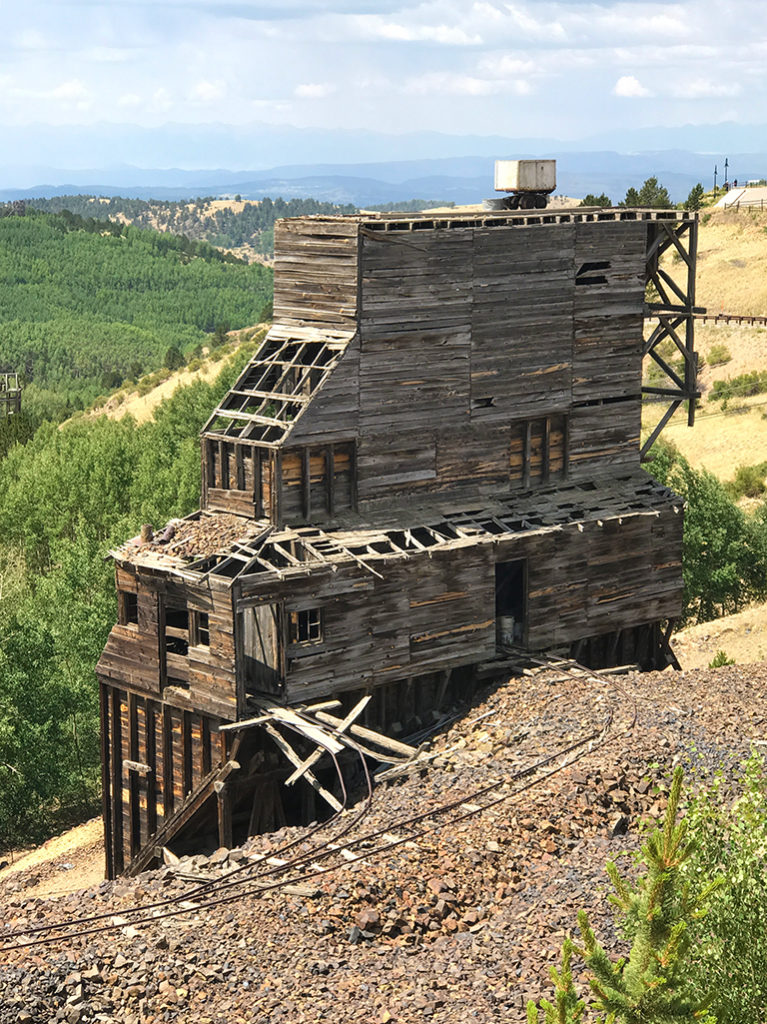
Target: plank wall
(132,656)
(315,280)
(436,610)
(154,756)
(465,335)
(427,613)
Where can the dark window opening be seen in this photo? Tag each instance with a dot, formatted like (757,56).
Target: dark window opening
(586,274)
(176,630)
(305,627)
(510,591)
(127,608)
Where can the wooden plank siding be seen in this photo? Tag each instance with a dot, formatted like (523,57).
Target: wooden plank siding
(133,653)
(315,278)
(435,609)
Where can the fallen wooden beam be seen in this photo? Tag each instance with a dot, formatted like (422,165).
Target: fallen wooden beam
(318,753)
(369,734)
(295,760)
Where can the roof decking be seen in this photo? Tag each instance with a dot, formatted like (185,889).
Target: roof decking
(219,547)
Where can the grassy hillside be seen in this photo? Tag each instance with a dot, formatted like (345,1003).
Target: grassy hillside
(732,277)
(85,305)
(732,261)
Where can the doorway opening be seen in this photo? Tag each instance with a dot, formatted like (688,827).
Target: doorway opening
(510,602)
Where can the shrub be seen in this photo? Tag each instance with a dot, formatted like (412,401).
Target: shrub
(718,354)
(731,941)
(742,386)
(720,660)
(748,482)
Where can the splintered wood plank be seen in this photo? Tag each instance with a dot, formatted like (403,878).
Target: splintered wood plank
(295,760)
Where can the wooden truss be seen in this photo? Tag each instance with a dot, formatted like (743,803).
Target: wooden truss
(675,312)
(276,385)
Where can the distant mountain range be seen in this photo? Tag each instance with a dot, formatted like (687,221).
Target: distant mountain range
(359,167)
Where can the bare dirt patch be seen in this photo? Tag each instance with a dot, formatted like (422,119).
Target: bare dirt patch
(741,636)
(62,865)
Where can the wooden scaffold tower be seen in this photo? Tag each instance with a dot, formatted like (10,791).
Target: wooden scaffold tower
(10,394)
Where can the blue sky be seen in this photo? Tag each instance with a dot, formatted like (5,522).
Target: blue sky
(563,69)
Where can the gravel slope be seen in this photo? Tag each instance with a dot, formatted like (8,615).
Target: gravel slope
(458,924)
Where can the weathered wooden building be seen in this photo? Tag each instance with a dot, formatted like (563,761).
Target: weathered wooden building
(434,456)
(10,394)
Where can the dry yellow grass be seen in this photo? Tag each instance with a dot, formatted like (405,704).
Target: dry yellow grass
(741,636)
(142,407)
(732,262)
(732,276)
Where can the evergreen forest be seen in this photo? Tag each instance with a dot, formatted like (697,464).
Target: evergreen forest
(201,219)
(86,304)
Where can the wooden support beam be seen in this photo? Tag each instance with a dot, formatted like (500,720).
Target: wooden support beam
(117,789)
(313,758)
(186,748)
(295,760)
(150,746)
(369,734)
(330,478)
(106,789)
(134,808)
(168,798)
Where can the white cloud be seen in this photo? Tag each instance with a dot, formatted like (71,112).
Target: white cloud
(704,89)
(161,101)
(446,83)
(106,55)
(631,87)
(314,90)
(208,92)
(129,100)
(375,27)
(506,66)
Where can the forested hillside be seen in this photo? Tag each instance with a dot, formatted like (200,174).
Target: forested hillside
(86,304)
(229,225)
(66,496)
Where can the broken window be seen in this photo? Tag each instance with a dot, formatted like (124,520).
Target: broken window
(538,451)
(588,273)
(305,626)
(199,629)
(127,608)
(176,629)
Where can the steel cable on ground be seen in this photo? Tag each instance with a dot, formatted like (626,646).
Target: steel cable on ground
(220,885)
(188,895)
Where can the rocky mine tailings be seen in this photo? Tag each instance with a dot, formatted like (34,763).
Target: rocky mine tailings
(376,917)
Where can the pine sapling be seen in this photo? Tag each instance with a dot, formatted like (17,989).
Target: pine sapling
(650,986)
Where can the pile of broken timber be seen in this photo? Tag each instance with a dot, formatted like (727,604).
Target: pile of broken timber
(329,734)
